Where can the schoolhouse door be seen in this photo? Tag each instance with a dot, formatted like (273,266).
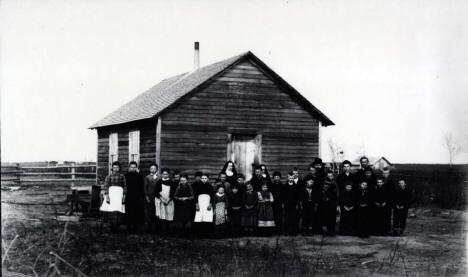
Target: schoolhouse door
(245,152)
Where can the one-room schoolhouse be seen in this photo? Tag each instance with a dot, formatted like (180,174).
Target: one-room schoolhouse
(237,109)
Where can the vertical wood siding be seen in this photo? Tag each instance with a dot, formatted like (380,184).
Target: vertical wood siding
(244,99)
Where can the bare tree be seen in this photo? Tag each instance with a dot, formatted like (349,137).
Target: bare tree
(452,146)
(336,152)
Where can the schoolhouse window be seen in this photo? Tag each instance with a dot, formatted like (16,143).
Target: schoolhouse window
(134,146)
(113,149)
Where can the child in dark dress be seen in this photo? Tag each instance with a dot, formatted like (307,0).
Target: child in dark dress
(184,206)
(363,202)
(266,220)
(401,202)
(308,197)
(276,189)
(291,205)
(235,210)
(249,213)
(347,201)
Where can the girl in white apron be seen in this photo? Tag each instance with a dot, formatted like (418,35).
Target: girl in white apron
(164,201)
(204,209)
(115,189)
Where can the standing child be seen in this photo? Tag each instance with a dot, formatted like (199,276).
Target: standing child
(204,210)
(347,201)
(235,209)
(401,203)
(363,202)
(249,213)
(184,209)
(220,211)
(164,202)
(241,183)
(276,189)
(266,219)
(291,205)
(308,197)
(381,209)
(222,181)
(150,194)
(327,207)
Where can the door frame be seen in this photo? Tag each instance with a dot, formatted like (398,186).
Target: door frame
(258,143)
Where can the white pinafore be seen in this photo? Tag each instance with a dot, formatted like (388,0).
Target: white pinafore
(203,214)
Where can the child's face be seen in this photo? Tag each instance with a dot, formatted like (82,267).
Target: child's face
(153,169)
(312,170)
(367,173)
(197,178)
(115,168)
(363,185)
(240,180)
(133,168)
(346,167)
(222,177)
(348,187)
(264,187)
(249,187)
(221,190)
(310,183)
(258,172)
(234,190)
(380,183)
(165,174)
(183,180)
(204,179)
(263,169)
(177,176)
(296,174)
(402,184)
(330,176)
(277,178)
(290,179)
(318,166)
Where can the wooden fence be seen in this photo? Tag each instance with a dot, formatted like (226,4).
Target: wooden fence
(73,174)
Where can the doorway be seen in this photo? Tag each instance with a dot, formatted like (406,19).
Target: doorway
(245,151)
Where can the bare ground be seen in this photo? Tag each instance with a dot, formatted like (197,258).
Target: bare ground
(434,245)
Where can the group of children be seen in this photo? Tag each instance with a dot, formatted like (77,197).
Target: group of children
(366,203)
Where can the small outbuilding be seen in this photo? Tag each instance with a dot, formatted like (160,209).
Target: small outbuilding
(377,163)
(237,109)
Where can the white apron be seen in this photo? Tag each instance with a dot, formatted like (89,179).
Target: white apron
(115,197)
(203,215)
(165,212)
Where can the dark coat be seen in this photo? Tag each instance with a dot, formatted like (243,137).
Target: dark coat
(290,195)
(342,180)
(134,203)
(402,197)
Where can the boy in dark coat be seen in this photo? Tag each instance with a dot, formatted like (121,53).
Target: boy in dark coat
(312,174)
(347,201)
(291,205)
(134,205)
(401,203)
(327,206)
(309,202)
(363,203)
(150,194)
(359,175)
(276,189)
(346,177)
(380,209)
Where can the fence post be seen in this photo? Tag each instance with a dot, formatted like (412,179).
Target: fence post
(18,173)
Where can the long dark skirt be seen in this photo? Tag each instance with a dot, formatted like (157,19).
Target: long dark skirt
(381,220)
(362,221)
(347,222)
(249,217)
(135,211)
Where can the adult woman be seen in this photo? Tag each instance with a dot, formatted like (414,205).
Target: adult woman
(115,189)
(164,203)
(231,174)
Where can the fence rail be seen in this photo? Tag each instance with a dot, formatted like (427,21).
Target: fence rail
(72,174)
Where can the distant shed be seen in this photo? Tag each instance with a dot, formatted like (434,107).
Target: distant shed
(236,109)
(377,163)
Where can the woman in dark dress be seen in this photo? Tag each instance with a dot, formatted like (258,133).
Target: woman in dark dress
(231,174)
(184,207)
(134,205)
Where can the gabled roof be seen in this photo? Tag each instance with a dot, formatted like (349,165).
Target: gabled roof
(163,95)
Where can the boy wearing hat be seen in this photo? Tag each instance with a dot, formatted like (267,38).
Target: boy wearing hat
(320,171)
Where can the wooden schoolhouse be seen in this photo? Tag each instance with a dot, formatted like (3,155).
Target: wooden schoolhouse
(237,109)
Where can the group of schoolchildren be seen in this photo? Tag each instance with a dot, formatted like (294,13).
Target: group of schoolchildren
(367,204)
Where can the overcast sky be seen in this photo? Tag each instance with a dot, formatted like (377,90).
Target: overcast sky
(392,75)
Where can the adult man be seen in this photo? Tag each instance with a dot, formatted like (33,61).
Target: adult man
(360,175)
(134,206)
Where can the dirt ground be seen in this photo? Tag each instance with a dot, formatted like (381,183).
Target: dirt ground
(434,245)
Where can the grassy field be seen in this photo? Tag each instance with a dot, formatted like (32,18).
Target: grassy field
(35,243)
